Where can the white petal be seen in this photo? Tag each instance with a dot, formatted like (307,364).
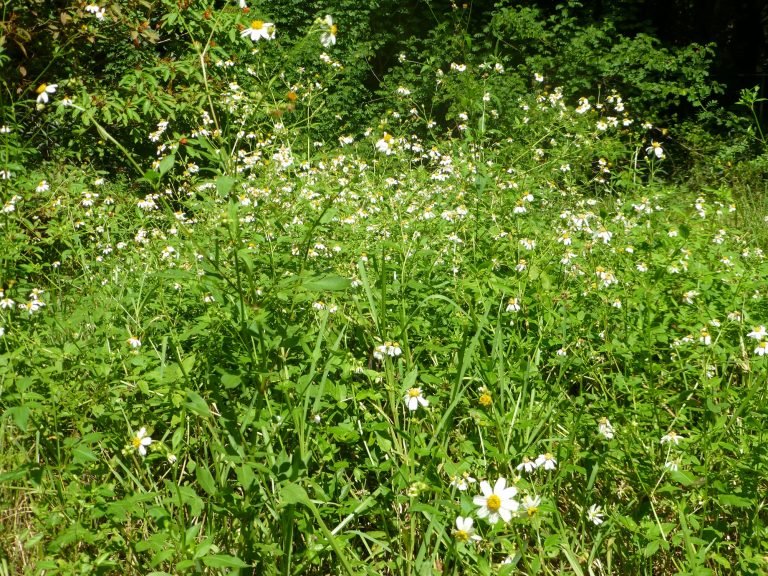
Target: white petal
(500,484)
(505,514)
(479,500)
(507,493)
(483,512)
(485,488)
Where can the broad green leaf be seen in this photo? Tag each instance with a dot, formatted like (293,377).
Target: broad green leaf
(737,501)
(329,283)
(223,561)
(196,404)
(205,479)
(166,164)
(224,185)
(293,494)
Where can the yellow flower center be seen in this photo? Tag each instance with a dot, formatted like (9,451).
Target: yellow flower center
(387,137)
(532,511)
(493,503)
(414,392)
(333,29)
(136,441)
(462,535)
(41,88)
(257,24)
(486,400)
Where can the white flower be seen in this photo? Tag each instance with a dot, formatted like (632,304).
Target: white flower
(140,441)
(42,93)
(134,342)
(538,77)
(758,333)
(413,398)
(595,515)
(672,465)
(689,296)
(42,186)
(258,30)
(526,465)
(513,305)
(465,530)
(672,437)
(96,11)
(655,149)
(462,482)
(604,235)
(328,38)
(605,428)
(547,461)
(498,502)
(385,144)
(762,348)
(531,504)
(391,349)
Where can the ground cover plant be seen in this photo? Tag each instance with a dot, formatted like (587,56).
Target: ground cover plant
(490,331)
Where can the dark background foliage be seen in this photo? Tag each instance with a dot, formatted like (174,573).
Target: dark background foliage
(671,59)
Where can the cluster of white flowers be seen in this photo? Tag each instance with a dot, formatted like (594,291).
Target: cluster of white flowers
(391,349)
(546,461)
(161,128)
(96,10)
(760,334)
(33,304)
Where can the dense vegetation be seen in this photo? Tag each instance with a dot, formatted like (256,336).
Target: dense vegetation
(377,288)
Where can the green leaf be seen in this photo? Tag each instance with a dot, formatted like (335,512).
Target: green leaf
(330,283)
(20,415)
(205,479)
(196,404)
(293,494)
(224,185)
(684,478)
(83,455)
(224,561)
(733,500)
(166,163)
